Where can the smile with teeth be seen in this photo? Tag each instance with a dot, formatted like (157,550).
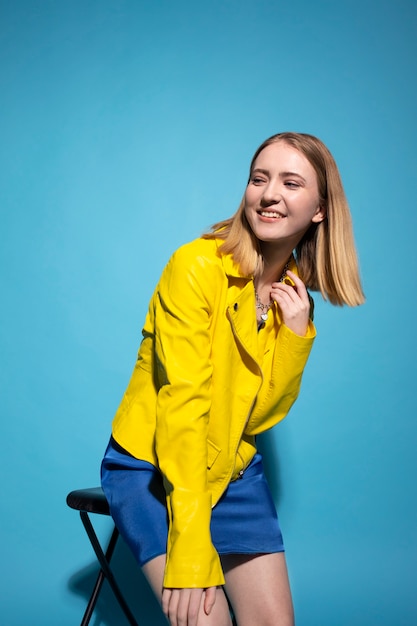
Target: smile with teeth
(272,214)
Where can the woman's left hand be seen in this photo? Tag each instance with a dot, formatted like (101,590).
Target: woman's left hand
(182,606)
(294,303)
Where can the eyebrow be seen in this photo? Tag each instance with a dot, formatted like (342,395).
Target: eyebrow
(282,174)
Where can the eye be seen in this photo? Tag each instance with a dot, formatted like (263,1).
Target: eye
(292,184)
(257,180)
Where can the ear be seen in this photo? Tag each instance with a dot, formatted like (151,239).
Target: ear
(319,215)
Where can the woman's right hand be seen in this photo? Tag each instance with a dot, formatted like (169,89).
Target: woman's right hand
(182,606)
(293,302)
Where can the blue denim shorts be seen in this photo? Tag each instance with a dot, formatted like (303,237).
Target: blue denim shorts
(244,521)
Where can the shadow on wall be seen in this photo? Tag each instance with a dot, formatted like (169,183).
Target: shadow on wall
(133,585)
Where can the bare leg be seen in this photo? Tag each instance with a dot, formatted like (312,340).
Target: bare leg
(219,616)
(258,589)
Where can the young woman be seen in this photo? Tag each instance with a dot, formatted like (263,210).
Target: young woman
(225,342)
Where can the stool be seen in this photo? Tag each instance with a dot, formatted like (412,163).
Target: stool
(94,501)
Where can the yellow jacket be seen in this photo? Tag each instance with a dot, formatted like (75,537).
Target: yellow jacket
(204,384)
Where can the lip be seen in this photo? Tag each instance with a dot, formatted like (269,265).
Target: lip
(273,215)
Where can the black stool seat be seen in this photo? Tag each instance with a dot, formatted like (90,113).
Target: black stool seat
(88,501)
(91,500)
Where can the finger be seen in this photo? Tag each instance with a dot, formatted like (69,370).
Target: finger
(209,599)
(297,281)
(292,280)
(194,604)
(294,309)
(166,596)
(295,278)
(296,293)
(285,294)
(188,607)
(291,305)
(181,612)
(173,606)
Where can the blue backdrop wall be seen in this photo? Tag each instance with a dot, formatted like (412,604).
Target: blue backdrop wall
(126,129)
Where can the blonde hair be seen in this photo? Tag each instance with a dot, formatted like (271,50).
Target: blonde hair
(326,255)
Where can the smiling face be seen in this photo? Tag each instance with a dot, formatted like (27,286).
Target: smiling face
(282,196)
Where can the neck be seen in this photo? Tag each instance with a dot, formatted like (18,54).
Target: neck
(275,259)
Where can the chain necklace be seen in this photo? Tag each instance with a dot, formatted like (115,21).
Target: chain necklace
(264,308)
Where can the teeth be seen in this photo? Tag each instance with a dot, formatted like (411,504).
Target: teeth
(270,214)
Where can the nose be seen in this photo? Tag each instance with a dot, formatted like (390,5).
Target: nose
(271,194)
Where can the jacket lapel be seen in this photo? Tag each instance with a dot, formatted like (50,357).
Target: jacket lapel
(241,314)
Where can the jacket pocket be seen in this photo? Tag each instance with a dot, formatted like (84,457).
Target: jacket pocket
(213,452)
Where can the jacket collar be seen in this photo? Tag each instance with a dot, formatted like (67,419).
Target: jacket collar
(230,267)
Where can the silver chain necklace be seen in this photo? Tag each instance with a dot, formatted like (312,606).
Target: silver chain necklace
(264,308)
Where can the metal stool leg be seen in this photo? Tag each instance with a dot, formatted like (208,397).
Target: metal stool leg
(105,572)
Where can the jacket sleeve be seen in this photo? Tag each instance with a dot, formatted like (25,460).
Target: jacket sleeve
(182,314)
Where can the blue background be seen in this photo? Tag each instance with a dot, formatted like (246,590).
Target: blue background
(126,129)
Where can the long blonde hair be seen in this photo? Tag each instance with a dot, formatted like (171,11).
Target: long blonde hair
(326,255)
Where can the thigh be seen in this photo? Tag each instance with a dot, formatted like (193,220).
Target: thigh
(258,589)
(219,616)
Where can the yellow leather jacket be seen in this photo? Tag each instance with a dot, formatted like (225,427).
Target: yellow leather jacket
(204,384)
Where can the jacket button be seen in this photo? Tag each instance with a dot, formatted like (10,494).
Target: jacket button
(235,306)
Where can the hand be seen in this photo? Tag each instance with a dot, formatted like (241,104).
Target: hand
(294,304)
(182,606)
